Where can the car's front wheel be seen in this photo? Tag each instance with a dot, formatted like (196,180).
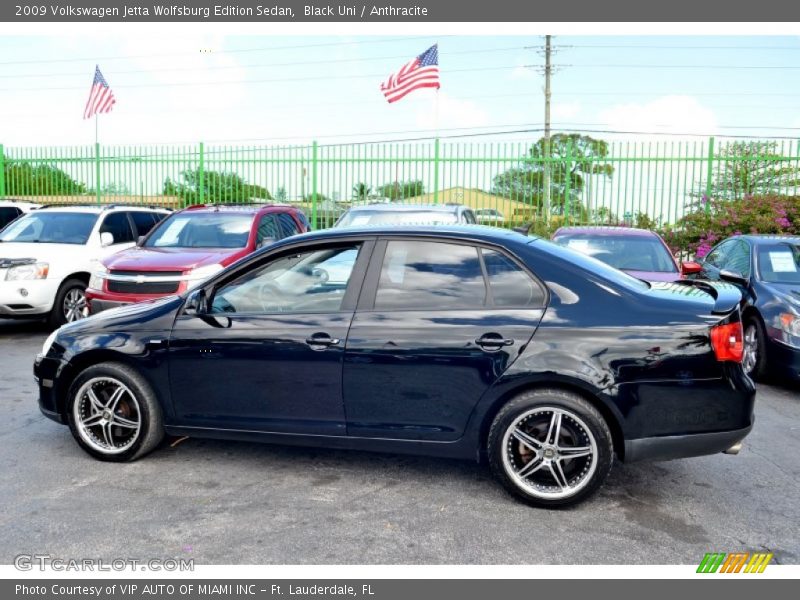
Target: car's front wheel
(70,303)
(113,413)
(550,448)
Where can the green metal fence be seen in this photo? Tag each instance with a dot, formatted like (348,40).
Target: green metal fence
(590,182)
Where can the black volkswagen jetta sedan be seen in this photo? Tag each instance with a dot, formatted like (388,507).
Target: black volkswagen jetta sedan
(465,342)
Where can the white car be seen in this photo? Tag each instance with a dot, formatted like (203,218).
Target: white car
(11,209)
(489,216)
(47,256)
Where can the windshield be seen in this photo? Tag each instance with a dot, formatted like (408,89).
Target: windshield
(202,230)
(779,263)
(400,217)
(56,227)
(624,252)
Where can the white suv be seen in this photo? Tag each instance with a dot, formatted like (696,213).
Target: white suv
(47,256)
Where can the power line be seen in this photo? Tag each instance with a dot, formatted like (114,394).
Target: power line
(257,65)
(242,81)
(233,51)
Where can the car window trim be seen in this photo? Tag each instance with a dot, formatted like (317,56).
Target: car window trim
(369,290)
(351,294)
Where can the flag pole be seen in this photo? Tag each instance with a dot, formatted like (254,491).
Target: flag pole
(436,148)
(96,160)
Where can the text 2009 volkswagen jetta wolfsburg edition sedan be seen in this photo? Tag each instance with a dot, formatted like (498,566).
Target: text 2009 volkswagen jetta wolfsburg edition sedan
(460,342)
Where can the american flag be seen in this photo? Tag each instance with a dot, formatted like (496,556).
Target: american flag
(421,72)
(101,98)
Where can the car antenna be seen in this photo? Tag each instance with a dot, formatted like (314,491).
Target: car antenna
(524,229)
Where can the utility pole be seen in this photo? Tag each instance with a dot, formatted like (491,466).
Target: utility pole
(546,154)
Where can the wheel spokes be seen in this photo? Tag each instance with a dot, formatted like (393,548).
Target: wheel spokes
(567,452)
(527,439)
(531,468)
(122,422)
(554,429)
(558,474)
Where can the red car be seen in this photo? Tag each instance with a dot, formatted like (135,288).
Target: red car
(188,246)
(640,252)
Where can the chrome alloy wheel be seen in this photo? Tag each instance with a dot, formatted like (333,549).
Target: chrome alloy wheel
(107,415)
(750,357)
(550,453)
(74,305)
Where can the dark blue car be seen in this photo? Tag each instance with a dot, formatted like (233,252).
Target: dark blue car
(767,269)
(466,342)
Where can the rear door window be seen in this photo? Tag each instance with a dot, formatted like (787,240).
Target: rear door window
(8,214)
(511,286)
(288,226)
(419,275)
(144,222)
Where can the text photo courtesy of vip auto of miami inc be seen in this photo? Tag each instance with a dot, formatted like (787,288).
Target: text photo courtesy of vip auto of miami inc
(492,299)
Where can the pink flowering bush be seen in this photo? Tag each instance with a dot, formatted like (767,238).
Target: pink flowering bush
(714,220)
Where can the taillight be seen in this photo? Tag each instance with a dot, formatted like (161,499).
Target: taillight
(727,341)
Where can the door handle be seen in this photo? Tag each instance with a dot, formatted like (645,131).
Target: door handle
(493,341)
(322,339)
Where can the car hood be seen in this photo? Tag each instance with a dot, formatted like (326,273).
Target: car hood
(170,259)
(654,275)
(42,251)
(789,292)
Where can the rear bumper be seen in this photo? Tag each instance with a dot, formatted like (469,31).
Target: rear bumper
(682,446)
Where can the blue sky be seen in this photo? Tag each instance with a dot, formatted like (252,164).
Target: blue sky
(292,89)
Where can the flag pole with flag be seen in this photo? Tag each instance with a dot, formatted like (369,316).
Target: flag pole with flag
(101,99)
(420,72)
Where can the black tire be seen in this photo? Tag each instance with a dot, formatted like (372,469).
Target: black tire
(58,316)
(586,427)
(138,399)
(759,370)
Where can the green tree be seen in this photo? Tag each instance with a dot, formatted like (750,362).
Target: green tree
(218,187)
(573,159)
(25,179)
(281,195)
(400,190)
(752,169)
(361,192)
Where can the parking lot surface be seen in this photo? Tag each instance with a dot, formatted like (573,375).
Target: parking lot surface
(241,503)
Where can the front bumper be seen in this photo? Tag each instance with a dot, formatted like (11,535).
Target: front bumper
(46,371)
(783,359)
(669,447)
(28,297)
(99,301)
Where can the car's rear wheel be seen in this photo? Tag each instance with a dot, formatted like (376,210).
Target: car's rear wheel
(70,303)
(754,360)
(550,448)
(113,413)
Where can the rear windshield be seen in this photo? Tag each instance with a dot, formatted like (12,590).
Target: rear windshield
(779,263)
(404,217)
(55,227)
(202,230)
(594,265)
(625,252)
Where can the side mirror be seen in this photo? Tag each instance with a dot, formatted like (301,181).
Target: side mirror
(140,240)
(197,302)
(733,277)
(690,267)
(106,239)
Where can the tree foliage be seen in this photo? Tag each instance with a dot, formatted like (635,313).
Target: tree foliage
(25,179)
(400,190)
(218,187)
(573,159)
(361,192)
(754,168)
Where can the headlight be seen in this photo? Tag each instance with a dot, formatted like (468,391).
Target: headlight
(49,342)
(37,270)
(98,275)
(790,324)
(204,272)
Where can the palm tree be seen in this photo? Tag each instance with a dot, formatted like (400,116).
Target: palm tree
(361,191)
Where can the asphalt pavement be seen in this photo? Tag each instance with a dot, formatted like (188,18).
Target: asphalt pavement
(244,503)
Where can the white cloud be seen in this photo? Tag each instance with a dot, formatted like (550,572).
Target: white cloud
(668,114)
(565,110)
(453,112)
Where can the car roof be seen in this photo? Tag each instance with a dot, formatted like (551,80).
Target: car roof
(764,238)
(474,232)
(95,209)
(247,208)
(397,207)
(606,230)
